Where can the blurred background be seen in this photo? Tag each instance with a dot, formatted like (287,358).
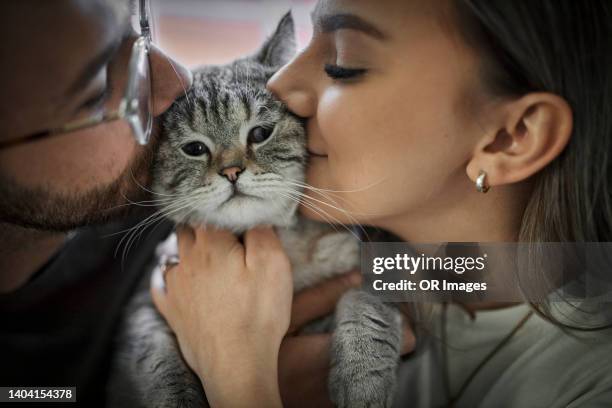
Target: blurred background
(197,32)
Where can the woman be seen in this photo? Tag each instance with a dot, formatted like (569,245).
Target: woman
(411,107)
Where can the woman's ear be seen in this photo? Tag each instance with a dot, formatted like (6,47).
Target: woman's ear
(534,130)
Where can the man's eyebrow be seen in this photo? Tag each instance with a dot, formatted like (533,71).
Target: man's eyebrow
(332,22)
(92,68)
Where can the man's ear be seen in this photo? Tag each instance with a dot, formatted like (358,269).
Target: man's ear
(534,130)
(281,46)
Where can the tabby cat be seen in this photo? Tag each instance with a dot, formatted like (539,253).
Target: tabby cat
(233,156)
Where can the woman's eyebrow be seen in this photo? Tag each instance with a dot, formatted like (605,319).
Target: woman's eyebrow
(332,22)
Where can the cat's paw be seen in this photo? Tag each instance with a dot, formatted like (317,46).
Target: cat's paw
(375,388)
(365,352)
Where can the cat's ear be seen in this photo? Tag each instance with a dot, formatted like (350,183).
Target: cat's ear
(280,47)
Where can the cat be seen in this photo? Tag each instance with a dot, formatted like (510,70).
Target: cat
(234,156)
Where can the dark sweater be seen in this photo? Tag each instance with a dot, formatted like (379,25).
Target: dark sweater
(58,329)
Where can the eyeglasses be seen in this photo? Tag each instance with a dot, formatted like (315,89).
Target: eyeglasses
(136,104)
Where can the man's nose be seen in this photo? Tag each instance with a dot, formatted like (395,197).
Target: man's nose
(231,173)
(170,80)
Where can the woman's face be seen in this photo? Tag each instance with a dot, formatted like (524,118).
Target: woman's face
(389,120)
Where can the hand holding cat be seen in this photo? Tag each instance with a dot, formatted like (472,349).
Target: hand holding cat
(229,305)
(224,330)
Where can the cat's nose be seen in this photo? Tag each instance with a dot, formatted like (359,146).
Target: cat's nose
(231,173)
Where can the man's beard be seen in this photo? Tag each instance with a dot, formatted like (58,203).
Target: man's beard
(46,210)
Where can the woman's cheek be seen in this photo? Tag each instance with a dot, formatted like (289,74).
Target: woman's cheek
(342,135)
(385,173)
(352,165)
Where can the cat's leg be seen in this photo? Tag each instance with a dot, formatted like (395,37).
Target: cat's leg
(148,369)
(365,351)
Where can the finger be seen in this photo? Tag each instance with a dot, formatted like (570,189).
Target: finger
(262,237)
(261,246)
(320,300)
(216,239)
(208,238)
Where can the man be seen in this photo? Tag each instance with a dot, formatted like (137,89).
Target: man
(63,194)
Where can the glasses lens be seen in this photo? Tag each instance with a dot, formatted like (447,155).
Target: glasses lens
(138,110)
(144,99)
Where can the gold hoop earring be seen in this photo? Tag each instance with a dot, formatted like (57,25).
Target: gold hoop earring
(481,186)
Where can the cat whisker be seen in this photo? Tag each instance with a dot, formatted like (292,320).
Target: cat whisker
(187,209)
(143,203)
(192,208)
(149,203)
(274,189)
(329,219)
(159,203)
(312,207)
(322,212)
(323,193)
(133,233)
(150,191)
(306,185)
(353,220)
(127,230)
(330,198)
(165,213)
(347,213)
(130,231)
(302,185)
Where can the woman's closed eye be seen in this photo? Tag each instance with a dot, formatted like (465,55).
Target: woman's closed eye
(343,73)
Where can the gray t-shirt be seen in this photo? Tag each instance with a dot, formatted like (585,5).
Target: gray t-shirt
(541,366)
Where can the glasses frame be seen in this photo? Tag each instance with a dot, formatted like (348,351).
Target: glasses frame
(129,107)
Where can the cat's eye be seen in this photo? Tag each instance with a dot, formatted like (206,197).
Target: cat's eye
(259,134)
(338,72)
(194,149)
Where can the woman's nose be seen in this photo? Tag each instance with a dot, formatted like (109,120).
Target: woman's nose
(293,84)
(169,80)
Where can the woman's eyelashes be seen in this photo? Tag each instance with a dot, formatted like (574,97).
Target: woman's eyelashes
(343,73)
